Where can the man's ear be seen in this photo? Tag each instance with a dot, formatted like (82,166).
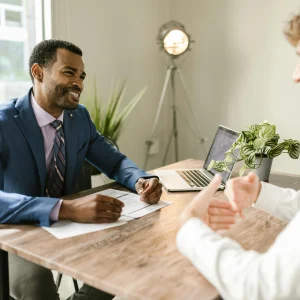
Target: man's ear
(37,72)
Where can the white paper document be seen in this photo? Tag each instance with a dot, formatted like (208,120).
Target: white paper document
(134,208)
(66,229)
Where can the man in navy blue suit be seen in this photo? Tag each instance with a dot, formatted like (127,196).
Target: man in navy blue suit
(45,136)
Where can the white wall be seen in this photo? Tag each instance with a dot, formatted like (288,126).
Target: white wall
(118,39)
(238,72)
(240,68)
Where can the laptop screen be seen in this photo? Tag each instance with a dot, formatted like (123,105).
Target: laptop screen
(223,141)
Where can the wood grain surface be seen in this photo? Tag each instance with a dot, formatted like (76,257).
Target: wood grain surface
(140,260)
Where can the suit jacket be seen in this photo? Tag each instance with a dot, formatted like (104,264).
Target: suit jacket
(23,166)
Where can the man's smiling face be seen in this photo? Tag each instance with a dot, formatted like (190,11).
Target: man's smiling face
(63,81)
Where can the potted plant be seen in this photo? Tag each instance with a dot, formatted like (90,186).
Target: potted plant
(257,147)
(109,120)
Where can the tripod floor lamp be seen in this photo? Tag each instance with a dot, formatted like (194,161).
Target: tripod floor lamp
(175,41)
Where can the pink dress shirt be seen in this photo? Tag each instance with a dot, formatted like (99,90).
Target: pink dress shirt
(44,119)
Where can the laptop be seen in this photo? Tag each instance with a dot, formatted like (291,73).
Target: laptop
(198,179)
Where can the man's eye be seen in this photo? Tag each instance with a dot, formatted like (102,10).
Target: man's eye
(69,72)
(82,77)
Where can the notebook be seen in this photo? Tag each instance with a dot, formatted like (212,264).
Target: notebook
(198,179)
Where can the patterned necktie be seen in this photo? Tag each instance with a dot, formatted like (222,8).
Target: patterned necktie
(55,182)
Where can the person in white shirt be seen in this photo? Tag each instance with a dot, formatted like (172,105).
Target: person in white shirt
(237,273)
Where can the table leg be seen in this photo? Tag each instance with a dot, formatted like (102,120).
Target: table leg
(4,275)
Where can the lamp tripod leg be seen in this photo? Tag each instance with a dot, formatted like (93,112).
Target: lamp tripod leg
(187,98)
(175,131)
(167,148)
(158,111)
(174,124)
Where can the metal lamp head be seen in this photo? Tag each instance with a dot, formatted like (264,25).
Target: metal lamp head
(173,38)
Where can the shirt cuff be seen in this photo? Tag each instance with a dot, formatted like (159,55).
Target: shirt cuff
(264,202)
(55,211)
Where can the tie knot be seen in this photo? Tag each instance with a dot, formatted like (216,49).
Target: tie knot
(56,124)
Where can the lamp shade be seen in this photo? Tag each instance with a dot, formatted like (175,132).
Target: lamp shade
(173,38)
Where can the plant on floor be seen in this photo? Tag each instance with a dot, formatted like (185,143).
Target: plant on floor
(251,146)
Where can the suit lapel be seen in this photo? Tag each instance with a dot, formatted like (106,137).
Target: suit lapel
(70,134)
(32,132)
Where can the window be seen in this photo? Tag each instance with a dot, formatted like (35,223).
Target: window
(21,28)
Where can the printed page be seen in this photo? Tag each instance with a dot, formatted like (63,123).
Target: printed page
(134,207)
(149,209)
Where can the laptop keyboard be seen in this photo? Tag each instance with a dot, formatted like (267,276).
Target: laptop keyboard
(194,178)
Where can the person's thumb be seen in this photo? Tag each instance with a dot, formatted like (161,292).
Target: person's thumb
(141,185)
(209,192)
(252,177)
(214,185)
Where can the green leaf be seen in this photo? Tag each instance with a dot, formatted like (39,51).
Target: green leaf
(228,158)
(115,100)
(254,128)
(246,150)
(110,121)
(242,138)
(130,106)
(272,142)
(211,164)
(266,151)
(250,136)
(249,161)
(219,166)
(267,131)
(294,150)
(259,143)
(277,150)
(242,170)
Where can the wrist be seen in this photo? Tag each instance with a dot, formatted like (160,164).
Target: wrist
(65,212)
(184,217)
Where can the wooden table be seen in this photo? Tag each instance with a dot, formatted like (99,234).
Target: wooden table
(138,260)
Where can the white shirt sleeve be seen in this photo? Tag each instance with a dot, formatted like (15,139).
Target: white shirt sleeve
(282,203)
(239,274)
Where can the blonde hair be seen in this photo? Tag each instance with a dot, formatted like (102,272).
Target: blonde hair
(292,29)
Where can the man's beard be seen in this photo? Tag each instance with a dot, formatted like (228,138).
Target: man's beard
(60,95)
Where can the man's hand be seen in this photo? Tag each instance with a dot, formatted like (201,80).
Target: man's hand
(242,192)
(214,212)
(91,209)
(149,189)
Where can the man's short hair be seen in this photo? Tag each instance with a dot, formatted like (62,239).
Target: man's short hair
(292,29)
(44,53)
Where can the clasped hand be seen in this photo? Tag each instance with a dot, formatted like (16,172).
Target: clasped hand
(216,213)
(219,214)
